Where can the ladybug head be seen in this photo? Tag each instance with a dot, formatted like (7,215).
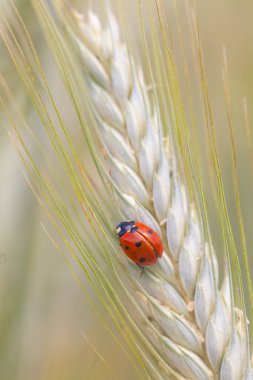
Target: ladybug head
(124,227)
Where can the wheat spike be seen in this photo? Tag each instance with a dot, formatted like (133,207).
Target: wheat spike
(194,329)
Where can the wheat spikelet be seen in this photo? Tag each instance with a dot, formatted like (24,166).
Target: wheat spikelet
(194,328)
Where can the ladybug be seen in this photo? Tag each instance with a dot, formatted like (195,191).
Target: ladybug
(139,242)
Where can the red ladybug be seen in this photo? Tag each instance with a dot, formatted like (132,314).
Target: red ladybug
(140,243)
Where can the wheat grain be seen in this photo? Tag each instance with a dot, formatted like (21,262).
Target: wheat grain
(194,328)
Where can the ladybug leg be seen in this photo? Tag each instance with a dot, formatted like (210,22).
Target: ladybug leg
(142,269)
(156,254)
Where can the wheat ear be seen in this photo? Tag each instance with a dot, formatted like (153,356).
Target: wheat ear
(194,326)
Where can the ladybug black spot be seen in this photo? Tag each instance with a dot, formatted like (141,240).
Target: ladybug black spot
(142,259)
(150,232)
(138,244)
(133,229)
(126,247)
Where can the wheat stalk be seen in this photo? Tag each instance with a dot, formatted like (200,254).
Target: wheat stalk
(194,326)
(195,329)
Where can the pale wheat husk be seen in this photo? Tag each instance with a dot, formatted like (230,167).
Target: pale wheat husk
(195,330)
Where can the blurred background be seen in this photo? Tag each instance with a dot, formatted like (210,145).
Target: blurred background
(47,329)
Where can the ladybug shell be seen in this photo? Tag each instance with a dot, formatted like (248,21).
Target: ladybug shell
(142,244)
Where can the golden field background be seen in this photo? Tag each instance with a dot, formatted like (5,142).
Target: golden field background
(43,314)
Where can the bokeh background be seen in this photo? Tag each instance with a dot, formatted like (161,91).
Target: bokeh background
(47,329)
